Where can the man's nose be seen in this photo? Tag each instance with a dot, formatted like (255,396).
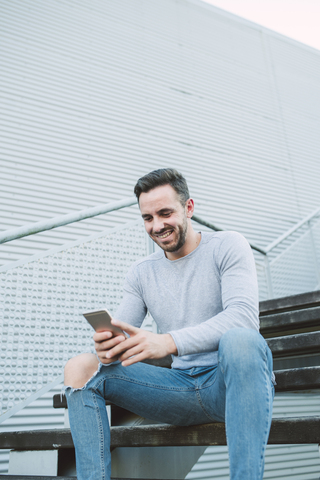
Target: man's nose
(158,225)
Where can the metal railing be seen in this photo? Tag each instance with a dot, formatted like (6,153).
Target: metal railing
(73,217)
(292,261)
(266,269)
(294,268)
(199,220)
(306,220)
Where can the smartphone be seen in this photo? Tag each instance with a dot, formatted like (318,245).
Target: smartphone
(101,320)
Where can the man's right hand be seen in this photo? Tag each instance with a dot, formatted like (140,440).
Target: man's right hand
(104,341)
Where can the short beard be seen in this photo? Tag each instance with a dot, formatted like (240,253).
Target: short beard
(183,229)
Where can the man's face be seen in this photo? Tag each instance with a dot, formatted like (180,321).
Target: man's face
(165,219)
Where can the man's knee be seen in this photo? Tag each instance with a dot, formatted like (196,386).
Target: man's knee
(79,370)
(241,347)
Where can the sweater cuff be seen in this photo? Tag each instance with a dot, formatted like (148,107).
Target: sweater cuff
(175,335)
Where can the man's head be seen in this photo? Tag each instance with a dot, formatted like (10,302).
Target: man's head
(163,176)
(166,210)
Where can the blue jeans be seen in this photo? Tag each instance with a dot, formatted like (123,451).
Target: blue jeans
(238,391)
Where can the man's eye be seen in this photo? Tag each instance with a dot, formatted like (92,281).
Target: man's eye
(147,219)
(166,214)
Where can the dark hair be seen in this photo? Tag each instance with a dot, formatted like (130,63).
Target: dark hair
(163,176)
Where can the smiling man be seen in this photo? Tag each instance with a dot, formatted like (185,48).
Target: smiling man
(201,290)
(167,221)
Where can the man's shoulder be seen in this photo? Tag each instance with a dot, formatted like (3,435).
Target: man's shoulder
(147,262)
(226,236)
(226,244)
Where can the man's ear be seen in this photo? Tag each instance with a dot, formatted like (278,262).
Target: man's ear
(189,207)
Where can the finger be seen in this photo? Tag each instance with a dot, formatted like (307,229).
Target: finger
(130,352)
(108,344)
(125,326)
(135,359)
(107,361)
(101,336)
(122,347)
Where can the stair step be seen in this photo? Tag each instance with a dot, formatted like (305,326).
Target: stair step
(283,431)
(37,477)
(292,302)
(298,344)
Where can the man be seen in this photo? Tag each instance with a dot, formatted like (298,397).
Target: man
(201,290)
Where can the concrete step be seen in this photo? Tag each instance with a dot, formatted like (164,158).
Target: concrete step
(283,431)
(34,477)
(37,477)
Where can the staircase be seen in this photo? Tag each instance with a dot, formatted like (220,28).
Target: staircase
(291,326)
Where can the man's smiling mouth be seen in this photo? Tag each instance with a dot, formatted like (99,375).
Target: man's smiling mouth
(165,235)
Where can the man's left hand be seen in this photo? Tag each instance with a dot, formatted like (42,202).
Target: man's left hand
(141,345)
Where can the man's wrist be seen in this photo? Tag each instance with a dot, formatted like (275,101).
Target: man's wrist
(171,346)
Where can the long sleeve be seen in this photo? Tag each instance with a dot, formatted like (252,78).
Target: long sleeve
(239,297)
(132,308)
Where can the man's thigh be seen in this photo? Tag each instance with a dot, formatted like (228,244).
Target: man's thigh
(212,393)
(160,394)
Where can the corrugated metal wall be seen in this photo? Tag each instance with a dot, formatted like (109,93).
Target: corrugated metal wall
(95,94)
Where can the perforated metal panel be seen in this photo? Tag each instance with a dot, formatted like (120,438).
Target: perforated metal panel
(41,306)
(297,268)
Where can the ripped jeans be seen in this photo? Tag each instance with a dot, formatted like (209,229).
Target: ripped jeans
(238,391)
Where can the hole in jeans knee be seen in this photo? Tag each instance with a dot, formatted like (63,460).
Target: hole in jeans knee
(77,389)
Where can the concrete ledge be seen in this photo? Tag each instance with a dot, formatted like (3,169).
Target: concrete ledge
(303,430)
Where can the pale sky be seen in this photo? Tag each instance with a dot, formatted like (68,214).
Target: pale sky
(297,19)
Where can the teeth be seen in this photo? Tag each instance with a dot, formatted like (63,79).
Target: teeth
(165,235)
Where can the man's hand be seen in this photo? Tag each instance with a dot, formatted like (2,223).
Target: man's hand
(103,342)
(140,346)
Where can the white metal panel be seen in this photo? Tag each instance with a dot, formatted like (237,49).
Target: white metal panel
(95,95)
(297,74)
(38,415)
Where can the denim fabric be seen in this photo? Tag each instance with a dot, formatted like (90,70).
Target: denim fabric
(238,391)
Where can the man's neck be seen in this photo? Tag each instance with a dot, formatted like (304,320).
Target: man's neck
(192,241)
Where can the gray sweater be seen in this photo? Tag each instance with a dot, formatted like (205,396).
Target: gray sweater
(196,298)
